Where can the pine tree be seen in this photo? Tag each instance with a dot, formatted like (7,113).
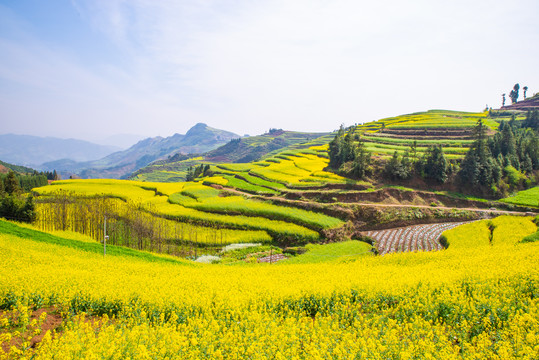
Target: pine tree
(11,184)
(508,143)
(532,119)
(527,164)
(190,175)
(435,164)
(362,161)
(27,212)
(335,148)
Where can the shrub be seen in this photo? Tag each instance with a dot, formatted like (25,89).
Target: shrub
(531,238)
(296,250)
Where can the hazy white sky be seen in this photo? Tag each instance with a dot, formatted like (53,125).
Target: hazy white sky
(92,68)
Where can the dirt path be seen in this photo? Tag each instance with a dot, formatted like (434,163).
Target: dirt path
(496,211)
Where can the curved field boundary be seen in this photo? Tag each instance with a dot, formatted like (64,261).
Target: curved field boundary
(410,238)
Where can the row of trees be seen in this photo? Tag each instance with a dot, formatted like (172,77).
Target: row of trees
(432,166)
(13,203)
(348,155)
(29,181)
(128,224)
(196,171)
(514,94)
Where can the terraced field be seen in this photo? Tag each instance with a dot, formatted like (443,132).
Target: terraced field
(411,238)
(274,199)
(206,213)
(451,129)
(240,151)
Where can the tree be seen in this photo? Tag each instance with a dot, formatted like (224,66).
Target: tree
(525,88)
(335,147)
(514,93)
(362,161)
(397,167)
(413,150)
(503,100)
(508,143)
(27,212)
(190,174)
(532,119)
(11,184)
(435,164)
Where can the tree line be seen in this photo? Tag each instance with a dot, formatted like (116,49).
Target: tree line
(349,157)
(507,161)
(127,224)
(194,172)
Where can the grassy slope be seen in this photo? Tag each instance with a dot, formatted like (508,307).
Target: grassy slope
(9,228)
(342,251)
(528,197)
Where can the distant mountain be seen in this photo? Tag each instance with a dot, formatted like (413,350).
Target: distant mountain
(238,150)
(35,150)
(199,139)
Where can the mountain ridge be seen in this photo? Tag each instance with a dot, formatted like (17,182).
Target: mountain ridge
(199,139)
(29,150)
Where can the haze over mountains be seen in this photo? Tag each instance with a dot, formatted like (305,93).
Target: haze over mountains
(33,150)
(199,139)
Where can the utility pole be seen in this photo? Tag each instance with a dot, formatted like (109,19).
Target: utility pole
(105,237)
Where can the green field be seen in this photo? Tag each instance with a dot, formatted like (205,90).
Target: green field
(342,251)
(528,197)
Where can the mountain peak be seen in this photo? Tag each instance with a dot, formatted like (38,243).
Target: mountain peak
(198,128)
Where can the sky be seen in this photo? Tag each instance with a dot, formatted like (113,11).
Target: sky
(91,69)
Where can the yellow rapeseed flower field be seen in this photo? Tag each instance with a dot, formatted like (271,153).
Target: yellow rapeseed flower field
(479,299)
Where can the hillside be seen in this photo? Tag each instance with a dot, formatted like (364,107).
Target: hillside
(451,129)
(254,148)
(530,103)
(34,151)
(240,150)
(6,167)
(200,138)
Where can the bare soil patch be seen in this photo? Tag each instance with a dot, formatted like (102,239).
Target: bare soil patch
(51,322)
